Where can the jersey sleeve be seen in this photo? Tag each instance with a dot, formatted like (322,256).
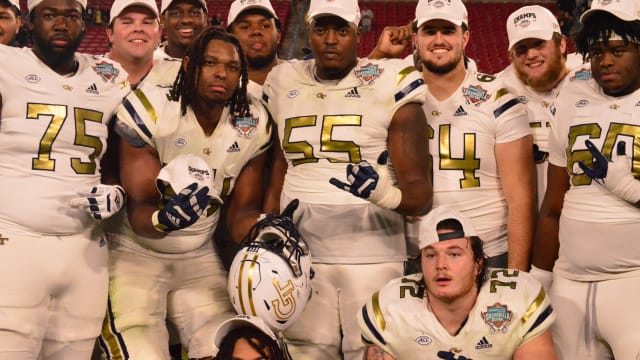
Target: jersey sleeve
(512,122)
(539,315)
(140,113)
(410,87)
(371,321)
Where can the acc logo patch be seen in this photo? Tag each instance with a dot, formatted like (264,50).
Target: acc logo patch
(245,125)
(106,71)
(423,340)
(180,141)
(367,74)
(475,95)
(32,78)
(498,317)
(584,74)
(582,103)
(292,93)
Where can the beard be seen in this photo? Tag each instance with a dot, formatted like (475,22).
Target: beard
(555,68)
(58,56)
(442,69)
(262,61)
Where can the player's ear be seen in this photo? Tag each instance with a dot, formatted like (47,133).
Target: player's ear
(185,63)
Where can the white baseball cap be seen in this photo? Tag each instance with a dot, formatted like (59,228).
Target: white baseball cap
(240,321)
(164,5)
(627,10)
(15,3)
(33,3)
(452,11)
(533,21)
(183,171)
(428,233)
(119,5)
(238,6)
(346,9)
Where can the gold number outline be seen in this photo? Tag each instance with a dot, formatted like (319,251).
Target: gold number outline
(327,143)
(470,163)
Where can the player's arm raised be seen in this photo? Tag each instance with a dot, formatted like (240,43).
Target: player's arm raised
(246,203)
(392,42)
(517,175)
(409,151)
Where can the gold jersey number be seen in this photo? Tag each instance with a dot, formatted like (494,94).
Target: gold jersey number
(58,115)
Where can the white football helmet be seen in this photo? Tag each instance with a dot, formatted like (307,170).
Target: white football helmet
(270,277)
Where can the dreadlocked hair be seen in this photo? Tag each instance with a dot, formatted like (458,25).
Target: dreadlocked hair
(259,341)
(185,86)
(599,27)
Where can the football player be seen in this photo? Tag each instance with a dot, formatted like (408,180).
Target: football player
(257,26)
(247,338)
(134,34)
(332,112)
(589,220)
(10,21)
(162,261)
(538,69)
(457,308)
(182,20)
(480,139)
(56,109)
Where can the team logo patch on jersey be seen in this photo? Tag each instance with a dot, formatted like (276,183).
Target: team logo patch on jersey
(106,71)
(32,78)
(423,340)
(245,125)
(523,99)
(475,95)
(367,74)
(483,344)
(292,93)
(3,239)
(498,317)
(584,74)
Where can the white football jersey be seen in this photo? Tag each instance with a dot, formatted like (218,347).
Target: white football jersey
(324,125)
(165,69)
(53,134)
(464,130)
(511,309)
(234,142)
(583,112)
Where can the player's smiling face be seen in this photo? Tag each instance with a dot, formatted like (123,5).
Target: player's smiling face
(9,24)
(135,33)
(219,73)
(259,37)
(184,20)
(440,45)
(449,270)
(539,63)
(334,43)
(616,66)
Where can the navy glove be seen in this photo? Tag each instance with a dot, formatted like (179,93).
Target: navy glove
(183,209)
(372,183)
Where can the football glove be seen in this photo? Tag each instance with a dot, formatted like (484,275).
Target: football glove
(613,174)
(372,183)
(182,209)
(102,202)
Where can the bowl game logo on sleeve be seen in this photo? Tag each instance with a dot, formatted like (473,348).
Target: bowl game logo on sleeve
(368,73)
(106,71)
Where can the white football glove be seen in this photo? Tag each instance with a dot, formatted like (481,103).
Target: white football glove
(615,174)
(102,201)
(372,183)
